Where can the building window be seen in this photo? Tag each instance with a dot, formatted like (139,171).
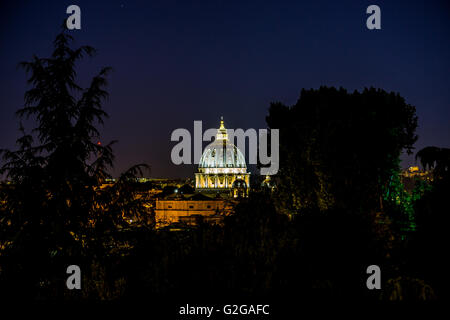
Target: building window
(170,207)
(209,207)
(190,207)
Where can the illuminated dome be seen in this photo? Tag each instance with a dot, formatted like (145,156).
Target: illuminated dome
(221,164)
(222,154)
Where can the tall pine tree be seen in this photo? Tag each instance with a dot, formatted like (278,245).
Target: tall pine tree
(54,210)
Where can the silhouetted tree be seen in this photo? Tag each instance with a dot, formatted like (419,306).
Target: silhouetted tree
(434,158)
(427,251)
(338,149)
(55,211)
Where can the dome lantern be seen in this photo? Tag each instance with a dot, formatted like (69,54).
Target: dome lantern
(222,131)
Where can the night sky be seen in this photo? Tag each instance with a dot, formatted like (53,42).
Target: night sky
(176,62)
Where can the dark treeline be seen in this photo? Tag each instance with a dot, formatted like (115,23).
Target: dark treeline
(338,206)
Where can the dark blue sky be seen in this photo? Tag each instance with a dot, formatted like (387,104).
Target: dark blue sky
(176,62)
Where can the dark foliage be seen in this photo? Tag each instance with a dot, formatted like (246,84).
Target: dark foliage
(54,212)
(337,149)
(338,206)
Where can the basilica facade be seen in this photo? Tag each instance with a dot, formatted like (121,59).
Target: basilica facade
(222,168)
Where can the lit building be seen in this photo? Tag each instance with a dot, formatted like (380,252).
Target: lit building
(222,176)
(222,168)
(188,209)
(410,176)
